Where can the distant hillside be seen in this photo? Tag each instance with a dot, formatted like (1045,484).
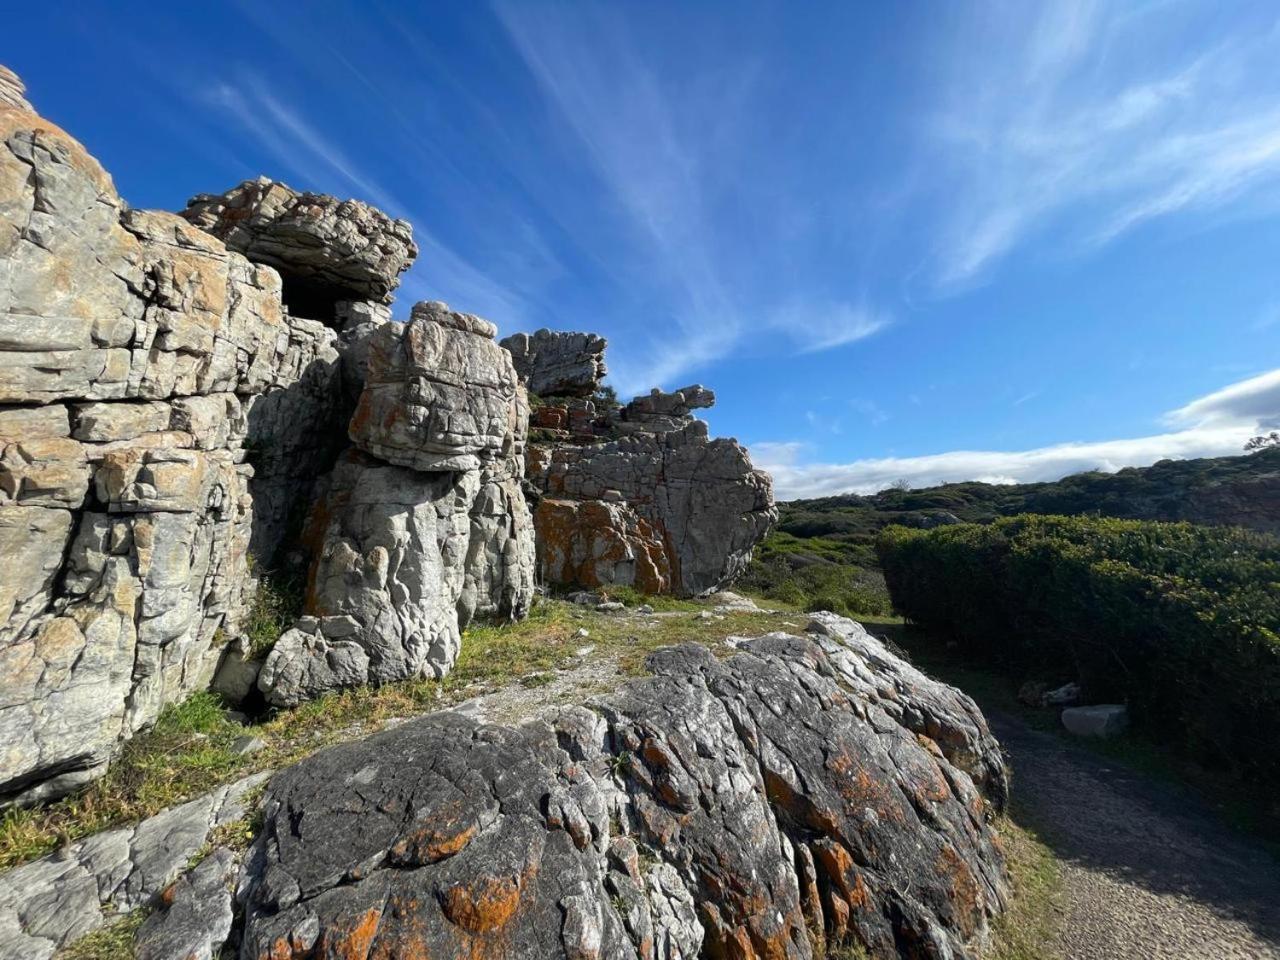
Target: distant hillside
(822,552)
(1239,491)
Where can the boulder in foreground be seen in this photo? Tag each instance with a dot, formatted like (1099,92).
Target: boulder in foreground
(725,808)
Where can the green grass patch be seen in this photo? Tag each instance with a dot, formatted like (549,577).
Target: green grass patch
(115,941)
(1030,928)
(277,604)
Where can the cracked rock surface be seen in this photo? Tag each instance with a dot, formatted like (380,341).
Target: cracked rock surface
(342,249)
(716,808)
(553,363)
(48,903)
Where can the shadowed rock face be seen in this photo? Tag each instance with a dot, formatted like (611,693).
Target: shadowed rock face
(555,364)
(718,808)
(701,499)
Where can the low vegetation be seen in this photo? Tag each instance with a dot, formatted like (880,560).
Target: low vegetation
(1180,622)
(818,573)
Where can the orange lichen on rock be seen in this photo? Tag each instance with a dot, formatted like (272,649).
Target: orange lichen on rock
(595,543)
(351,942)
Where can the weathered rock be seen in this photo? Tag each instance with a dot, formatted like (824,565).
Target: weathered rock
(12,90)
(717,808)
(556,364)
(701,499)
(49,903)
(330,249)
(146,364)
(196,914)
(1102,721)
(440,394)
(592,543)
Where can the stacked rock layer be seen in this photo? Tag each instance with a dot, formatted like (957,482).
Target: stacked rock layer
(165,416)
(636,495)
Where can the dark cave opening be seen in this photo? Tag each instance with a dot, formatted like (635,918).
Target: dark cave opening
(313,299)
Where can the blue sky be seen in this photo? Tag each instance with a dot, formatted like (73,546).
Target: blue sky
(915,240)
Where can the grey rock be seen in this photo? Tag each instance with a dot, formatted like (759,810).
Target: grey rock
(1102,721)
(243,746)
(798,765)
(12,90)
(329,249)
(195,919)
(440,394)
(552,363)
(160,416)
(703,506)
(49,903)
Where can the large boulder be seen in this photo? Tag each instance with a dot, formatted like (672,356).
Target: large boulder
(141,363)
(328,249)
(440,394)
(424,524)
(555,364)
(702,499)
(808,789)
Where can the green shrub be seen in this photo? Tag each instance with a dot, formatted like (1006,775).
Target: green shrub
(816,574)
(1181,622)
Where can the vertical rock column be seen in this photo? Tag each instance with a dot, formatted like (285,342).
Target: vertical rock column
(424,524)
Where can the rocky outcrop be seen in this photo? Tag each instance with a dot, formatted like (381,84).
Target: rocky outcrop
(555,364)
(423,524)
(646,499)
(49,903)
(168,401)
(140,364)
(331,250)
(807,788)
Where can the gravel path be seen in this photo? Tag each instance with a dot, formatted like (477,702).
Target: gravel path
(1148,871)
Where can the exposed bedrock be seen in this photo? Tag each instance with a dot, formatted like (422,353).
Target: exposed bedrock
(330,250)
(141,364)
(555,364)
(722,808)
(701,499)
(168,402)
(423,524)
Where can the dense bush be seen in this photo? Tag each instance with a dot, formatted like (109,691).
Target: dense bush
(1179,621)
(817,574)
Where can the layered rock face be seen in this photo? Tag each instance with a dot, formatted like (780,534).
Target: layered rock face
(333,250)
(642,497)
(558,364)
(423,524)
(725,808)
(139,358)
(169,400)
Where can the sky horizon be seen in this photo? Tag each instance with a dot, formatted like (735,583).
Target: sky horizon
(994,241)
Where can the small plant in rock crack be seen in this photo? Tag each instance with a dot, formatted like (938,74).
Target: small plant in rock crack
(620,763)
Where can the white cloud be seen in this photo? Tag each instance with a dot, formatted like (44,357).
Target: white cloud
(1086,121)
(1216,425)
(1252,403)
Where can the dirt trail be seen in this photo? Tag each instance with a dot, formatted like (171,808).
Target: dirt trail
(1148,871)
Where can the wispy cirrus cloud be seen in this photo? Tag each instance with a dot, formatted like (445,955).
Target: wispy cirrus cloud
(319,164)
(1085,118)
(1214,425)
(665,149)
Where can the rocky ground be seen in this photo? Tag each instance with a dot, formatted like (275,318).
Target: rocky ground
(1147,870)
